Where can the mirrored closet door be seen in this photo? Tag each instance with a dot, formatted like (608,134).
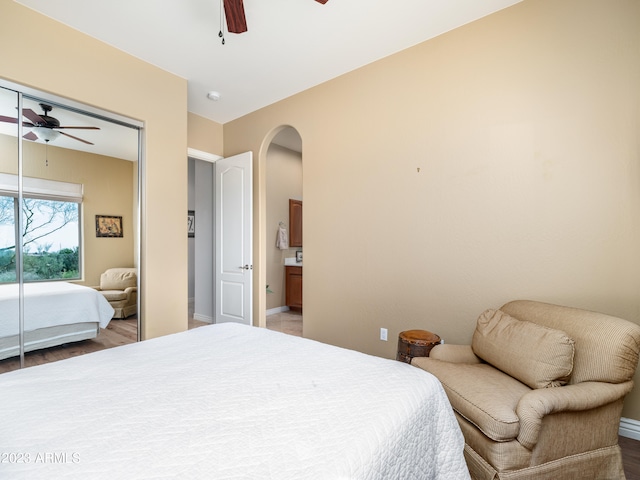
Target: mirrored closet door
(69,228)
(9,249)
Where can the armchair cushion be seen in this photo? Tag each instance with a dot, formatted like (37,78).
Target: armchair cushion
(118,279)
(538,356)
(480,393)
(115,295)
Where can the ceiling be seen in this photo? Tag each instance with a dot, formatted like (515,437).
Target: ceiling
(290,45)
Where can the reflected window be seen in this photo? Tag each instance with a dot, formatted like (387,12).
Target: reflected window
(51,240)
(7,239)
(51,233)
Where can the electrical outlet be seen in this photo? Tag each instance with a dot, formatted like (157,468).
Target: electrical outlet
(383,334)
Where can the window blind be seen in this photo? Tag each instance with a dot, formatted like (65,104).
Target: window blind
(40,188)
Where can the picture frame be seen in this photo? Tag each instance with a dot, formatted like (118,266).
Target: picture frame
(109,226)
(191,223)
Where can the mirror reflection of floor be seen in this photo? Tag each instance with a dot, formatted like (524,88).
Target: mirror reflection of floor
(123,331)
(118,332)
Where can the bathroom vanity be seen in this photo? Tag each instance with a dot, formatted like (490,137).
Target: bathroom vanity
(293,281)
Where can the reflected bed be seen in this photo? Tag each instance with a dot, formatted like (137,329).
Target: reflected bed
(229,401)
(54,313)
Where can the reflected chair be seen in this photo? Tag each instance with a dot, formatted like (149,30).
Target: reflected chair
(120,287)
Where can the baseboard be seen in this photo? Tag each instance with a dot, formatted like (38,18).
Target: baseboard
(202,318)
(629,428)
(273,311)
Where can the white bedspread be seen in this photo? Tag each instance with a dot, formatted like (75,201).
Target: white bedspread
(47,304)
(227,402)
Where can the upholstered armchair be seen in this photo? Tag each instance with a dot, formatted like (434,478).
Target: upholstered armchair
(120,287)
(538,394)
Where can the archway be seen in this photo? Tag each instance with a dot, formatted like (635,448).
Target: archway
(279,181)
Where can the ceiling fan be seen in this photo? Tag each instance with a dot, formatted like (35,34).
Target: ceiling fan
(43,126)
(234,11)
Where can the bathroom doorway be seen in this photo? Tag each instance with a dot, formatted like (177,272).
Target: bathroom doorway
(284,264)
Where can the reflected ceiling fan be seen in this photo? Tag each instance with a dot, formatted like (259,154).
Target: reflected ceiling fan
(234,12)
(43,126)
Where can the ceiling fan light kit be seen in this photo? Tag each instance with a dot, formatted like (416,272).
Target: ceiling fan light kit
(46,134)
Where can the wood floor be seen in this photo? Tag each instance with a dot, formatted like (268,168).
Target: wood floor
(118,332)
(630,457)
(121,332)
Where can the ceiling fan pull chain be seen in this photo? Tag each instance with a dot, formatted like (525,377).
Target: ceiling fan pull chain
(221,33)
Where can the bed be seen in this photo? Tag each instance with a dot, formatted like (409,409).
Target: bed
(228,401)
(54,313)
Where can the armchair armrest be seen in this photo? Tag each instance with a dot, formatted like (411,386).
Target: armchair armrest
(536,404)
(454,353)
(130,290)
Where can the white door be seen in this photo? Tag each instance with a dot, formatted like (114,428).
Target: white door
(233,239)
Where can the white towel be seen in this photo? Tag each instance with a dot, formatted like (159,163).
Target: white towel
(282,240)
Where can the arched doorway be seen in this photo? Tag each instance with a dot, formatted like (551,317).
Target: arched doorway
(281,163)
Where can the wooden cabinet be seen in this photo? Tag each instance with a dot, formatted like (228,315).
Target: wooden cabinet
(293,294)
(295,223)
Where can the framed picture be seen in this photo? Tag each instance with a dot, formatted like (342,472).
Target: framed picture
(191,223)
(108,226)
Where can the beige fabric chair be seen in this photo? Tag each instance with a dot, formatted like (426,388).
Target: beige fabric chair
(556,414)
(120,287)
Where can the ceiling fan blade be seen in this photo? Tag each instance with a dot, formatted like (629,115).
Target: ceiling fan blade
(322,1)
(234,11)
(15,120)
(30,136)
(76,138)
(8,119)
(79,128)
(33,116)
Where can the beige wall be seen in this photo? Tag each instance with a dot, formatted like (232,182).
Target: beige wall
(107,190)
(284,181)
(96,74)
(495,162)
(204,134)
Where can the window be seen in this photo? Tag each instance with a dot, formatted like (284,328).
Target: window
(51,233)
(7,240)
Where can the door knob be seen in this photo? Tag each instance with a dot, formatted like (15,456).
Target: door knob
(247,267)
